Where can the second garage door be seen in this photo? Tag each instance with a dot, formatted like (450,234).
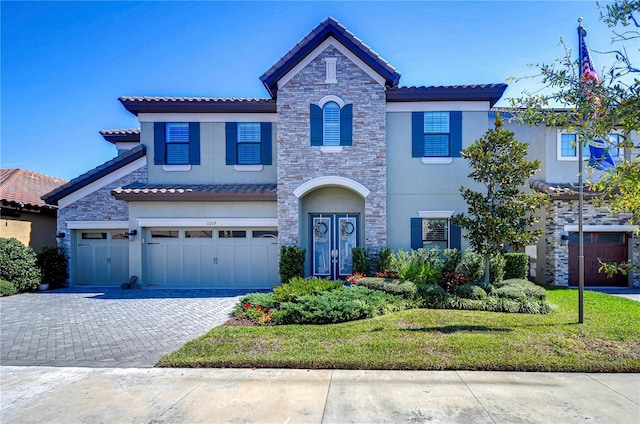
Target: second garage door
(197,257)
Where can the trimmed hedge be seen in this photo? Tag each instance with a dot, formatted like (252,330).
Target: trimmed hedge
(516,265)
(299,286)
(291,262)
(405,289)
(346,304)
(530,290)
(471,291)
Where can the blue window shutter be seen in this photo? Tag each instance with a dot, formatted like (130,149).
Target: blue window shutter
(417,135)
(346,127)
(316,124)
(456,134)
(265,143)
(158,143)
(194,143)
(231,140)
(416,233)
(455,237)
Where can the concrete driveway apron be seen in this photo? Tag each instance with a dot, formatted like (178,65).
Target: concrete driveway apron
(106,327)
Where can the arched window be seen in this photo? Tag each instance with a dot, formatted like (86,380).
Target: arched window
(331,124)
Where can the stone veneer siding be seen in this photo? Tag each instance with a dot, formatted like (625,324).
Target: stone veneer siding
(364,161)
(565,212)
(98,206)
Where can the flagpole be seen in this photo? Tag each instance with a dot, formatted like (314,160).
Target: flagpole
(581,34)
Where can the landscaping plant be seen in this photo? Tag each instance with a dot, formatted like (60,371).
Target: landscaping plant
(18,265)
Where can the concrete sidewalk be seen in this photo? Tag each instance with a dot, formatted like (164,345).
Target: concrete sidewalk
(154,395)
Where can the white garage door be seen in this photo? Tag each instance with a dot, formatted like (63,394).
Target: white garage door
(102,257)
(238,258)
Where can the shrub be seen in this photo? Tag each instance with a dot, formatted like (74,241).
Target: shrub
(291,262)
(18,265)
(432,294)
(345,304)
(265,300)
(471,291)
(299,286)
(361,260)
(405,289)
(7,288)
(496,268)
(510,292)
(472,264)
(382,260)
(451,281)
(531,290)
(451,260)
(516,265)
(54,266)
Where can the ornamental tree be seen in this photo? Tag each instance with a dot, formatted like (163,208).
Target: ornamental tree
(594,109)
(502,213)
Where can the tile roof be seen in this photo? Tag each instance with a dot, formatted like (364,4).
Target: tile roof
(22,187)
(144,104)
(196,192)
(562,191)
(487,92)
(95,174)
(119,136)
(328,28)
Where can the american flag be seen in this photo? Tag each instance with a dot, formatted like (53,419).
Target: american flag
(600,157)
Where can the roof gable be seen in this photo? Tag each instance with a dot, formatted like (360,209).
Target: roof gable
(329,28)
(94,175)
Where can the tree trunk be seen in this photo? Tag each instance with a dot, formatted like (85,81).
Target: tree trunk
(487,269)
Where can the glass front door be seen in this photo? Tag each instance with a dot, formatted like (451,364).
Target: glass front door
(333,236)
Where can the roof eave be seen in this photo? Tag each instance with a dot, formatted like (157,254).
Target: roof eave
(188,196)
(137,106)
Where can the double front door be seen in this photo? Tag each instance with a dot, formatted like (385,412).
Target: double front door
(333,236)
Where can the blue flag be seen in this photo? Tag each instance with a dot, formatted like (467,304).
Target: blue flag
(600,158)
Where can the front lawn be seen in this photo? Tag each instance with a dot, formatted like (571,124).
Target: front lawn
(434,339)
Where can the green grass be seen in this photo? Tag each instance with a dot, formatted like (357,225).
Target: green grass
(428,339)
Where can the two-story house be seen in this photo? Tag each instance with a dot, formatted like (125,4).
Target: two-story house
(339,156)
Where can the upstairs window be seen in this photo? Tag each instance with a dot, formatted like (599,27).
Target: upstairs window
(436,134)
(331,124)
(248,143)
(176,143)
(568,146)
(177,140)
(248,152)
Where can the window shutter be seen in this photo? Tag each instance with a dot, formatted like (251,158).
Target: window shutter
(417,135)
(346,127)
(416,233)
(231,140)
(158,143)
(316,124)
(265,143)
(456,134)
(194,143)
(455,237)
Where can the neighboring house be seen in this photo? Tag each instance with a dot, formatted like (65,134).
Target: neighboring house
(24,215)
(339,156)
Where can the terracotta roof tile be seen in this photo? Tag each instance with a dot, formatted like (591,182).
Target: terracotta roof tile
(194,192)
(19,186)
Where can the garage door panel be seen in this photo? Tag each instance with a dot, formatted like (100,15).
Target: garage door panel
(102,258)
(242,266)
(119,263)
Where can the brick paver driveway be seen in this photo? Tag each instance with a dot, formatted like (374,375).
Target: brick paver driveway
(106,327)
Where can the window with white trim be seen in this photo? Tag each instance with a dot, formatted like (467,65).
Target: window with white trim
(248,149)
(331,124)
(437,131)
(177,143)
(568,146)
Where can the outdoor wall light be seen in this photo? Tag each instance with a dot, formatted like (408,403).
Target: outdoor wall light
(564,236)
(132,234)
(60,235)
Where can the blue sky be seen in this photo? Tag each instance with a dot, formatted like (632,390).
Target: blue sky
(64,64)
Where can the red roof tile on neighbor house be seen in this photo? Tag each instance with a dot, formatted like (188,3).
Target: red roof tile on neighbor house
(19,186)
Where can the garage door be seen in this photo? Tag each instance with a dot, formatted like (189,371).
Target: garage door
(103,257)
(605,247)
(199,257)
